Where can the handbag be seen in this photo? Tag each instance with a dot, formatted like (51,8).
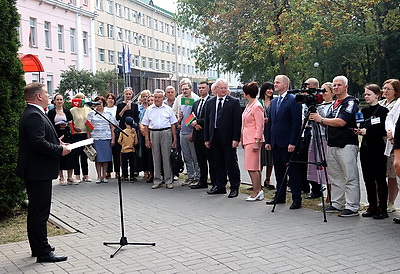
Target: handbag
(90,152)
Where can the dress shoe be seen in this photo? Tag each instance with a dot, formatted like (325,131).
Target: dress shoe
(34,254)
(249,199)
(169,186)
(150,180)
(380,215)
(271,202)
(313,196)
(198,186)
(295,205)
(369,213)
(396,220)
(51,258)
(156,186)
(234,193)
(216,190)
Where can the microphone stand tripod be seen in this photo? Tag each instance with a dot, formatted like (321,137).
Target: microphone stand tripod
(319,159)
(123,240)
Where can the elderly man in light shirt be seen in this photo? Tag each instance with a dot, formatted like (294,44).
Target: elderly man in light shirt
(160,134)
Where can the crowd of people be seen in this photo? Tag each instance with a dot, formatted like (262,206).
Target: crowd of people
(205,128)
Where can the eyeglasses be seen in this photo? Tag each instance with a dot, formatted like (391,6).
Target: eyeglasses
(385,88)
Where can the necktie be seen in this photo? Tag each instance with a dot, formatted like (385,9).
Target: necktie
(219,107)
(278,104)
(200,108)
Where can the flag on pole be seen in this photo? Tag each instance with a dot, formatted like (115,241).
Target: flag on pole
(129,61)
(187,101)
(123,59)
(72,127)
(189,119)
(89,126)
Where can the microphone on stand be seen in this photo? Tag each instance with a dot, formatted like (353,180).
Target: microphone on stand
(80,103)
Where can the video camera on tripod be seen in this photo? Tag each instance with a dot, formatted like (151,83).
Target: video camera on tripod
(311,97)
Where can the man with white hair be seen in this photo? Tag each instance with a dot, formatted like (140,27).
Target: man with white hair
(342,150)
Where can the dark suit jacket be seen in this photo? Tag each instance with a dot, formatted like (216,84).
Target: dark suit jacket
(199,134)
(283,128)
(39,147)
(61,131)
(230,123)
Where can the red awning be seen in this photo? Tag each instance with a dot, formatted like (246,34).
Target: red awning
(31,63)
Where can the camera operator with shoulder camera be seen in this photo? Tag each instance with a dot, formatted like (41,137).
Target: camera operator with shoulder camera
(342,150)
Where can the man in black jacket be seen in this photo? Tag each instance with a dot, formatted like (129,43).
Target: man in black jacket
(39,156)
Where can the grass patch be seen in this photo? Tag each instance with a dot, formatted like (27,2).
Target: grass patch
(13,228)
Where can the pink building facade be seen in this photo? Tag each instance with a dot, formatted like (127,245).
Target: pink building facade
(60,34)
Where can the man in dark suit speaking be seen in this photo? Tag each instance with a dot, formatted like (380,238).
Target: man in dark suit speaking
(283,129)
(222,126)
(39,156)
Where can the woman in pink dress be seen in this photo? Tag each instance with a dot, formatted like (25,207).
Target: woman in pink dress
(252,138)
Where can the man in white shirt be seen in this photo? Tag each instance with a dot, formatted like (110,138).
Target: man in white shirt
(160,135)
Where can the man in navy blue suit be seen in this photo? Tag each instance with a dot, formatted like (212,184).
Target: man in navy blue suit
(222,127)
(282,132)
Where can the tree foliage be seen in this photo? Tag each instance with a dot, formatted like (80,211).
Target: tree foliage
(262,38)
(74,81)
(11,77)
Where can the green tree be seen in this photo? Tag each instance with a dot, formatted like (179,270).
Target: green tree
(11,77)
(74,81)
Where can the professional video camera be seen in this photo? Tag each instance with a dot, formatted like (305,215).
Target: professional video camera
(308,96)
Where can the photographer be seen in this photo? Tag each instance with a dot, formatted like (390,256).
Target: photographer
(373,159)
(342,150)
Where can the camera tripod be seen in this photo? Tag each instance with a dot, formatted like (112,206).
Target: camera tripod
(319,159)
(123,240)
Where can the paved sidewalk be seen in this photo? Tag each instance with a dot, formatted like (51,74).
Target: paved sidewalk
(199,233)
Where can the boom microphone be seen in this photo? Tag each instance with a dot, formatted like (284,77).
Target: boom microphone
(79,103)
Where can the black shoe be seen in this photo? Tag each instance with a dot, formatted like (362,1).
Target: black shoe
(313,196)
(234,193)
(269,186)
(369,213)
(199,185)
(35,255)
(396,220)
(271,202)
(381,215)
(216,190)
(51,258)
(295,205)
(150,180)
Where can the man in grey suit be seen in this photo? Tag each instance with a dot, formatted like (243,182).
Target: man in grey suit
(39,156)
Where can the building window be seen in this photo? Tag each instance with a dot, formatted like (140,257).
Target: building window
(162,46)
(149,21)
(178,32)
(156,44)
(119,34)
(157,64)
(155,24)
(162,65)
(99,4)
(161,27)
(183,51)
(47,35)
(111,56)
(172,31)
(179,68)
(72,39)
(127,36)
(135,38)
(136,61)
(32,32)
(119,58)
(173,67)
(173,48)
(168,66)
(179,50)
(126,13)
(166,47)
(100,28)
(110,31)
(60,36)
(134,16)
(150,63)
(49,84)
(101,55)
(188,53)
(142,39)
(166,28)
(150,42)
(141,18)
(118,11)
(85,42)
(85,2)
(144,65)
(109,6)
(184,68)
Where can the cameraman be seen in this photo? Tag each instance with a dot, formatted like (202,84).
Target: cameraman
(342,150)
